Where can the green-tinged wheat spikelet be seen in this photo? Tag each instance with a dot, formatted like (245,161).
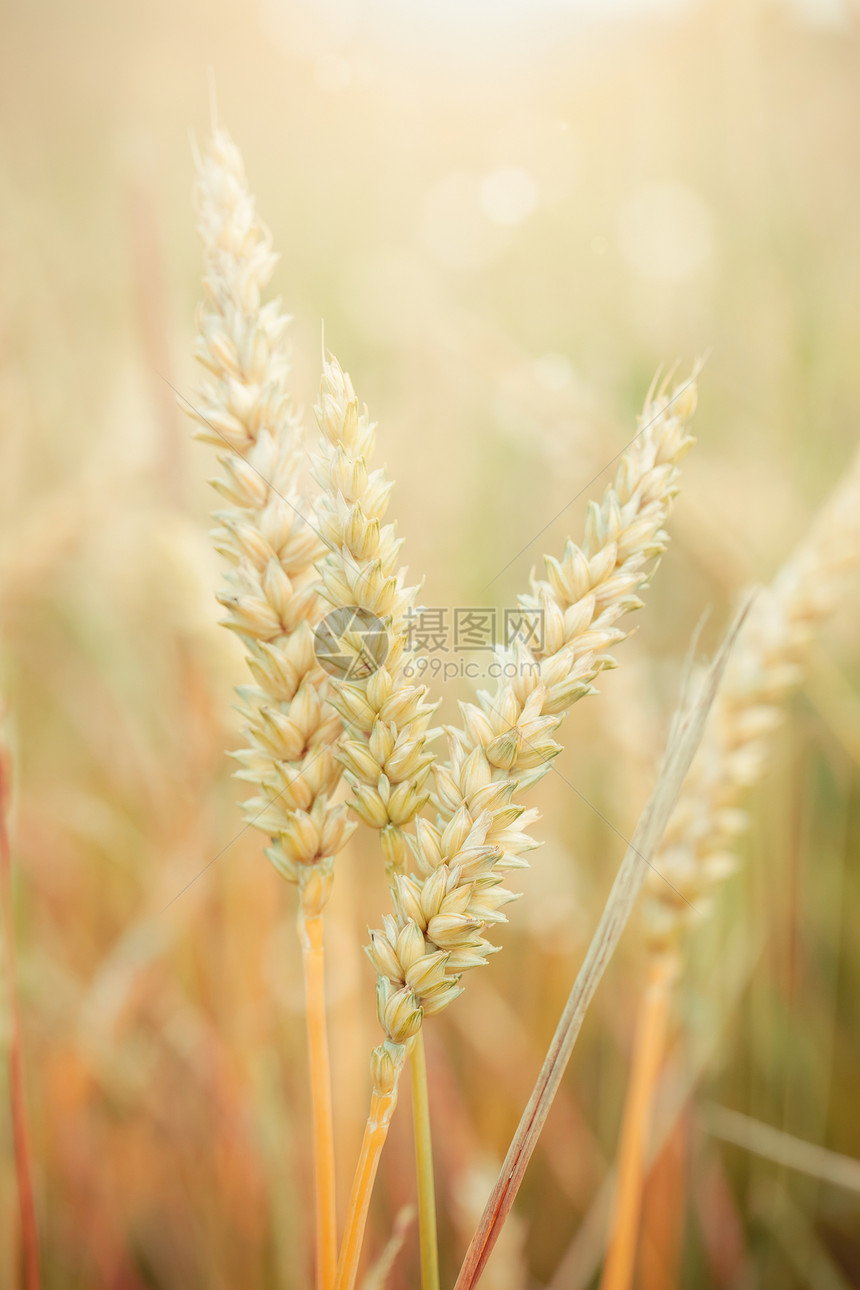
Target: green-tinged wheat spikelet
(697,850)
(267,533)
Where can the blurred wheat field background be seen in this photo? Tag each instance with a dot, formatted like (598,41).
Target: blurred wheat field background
(508,219)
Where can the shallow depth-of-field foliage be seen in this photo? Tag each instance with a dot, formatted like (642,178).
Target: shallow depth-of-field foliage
(508,221)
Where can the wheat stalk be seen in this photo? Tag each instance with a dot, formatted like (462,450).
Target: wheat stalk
(271,542)
(30,1261)
(697,850)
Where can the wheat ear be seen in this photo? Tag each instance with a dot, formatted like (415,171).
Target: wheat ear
(270,540)
(384,749)
(507,740)
(435,931)
(697,850)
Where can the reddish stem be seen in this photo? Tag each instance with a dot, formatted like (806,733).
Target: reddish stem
(20,1135)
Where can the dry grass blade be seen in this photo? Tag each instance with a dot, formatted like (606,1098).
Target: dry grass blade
(586,1250)
(684,738)
(782,1148)
(377,1277)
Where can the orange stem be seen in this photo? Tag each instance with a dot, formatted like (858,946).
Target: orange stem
(376,1131)
(313,957)
(663,1215)
(20,1135)
(636,1124)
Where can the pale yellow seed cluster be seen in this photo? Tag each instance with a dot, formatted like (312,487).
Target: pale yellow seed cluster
(766,664)
(507,744)
(384,748)
(271,597)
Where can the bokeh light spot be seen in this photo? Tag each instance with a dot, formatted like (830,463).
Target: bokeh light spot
(509,195)
(665,232)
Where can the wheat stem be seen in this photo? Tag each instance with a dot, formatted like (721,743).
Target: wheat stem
(424,1168)
(313,958)
(382,1102)
(636,1123)
(18,1112)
